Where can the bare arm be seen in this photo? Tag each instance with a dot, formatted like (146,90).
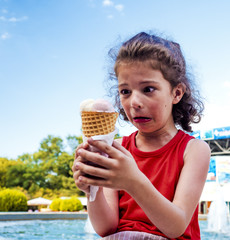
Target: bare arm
(121,172)
(172,218)
(103,212)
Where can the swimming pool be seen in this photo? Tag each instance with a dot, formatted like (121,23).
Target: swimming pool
(45,229)
(67,229)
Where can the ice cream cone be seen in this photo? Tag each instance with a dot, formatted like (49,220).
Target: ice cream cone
(98,123)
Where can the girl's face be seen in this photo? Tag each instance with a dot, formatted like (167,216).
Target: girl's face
(147,97)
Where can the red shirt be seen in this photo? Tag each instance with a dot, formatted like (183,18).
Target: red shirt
(163,168)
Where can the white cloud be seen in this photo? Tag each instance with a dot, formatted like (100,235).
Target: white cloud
(112,7)
(107,3)
(119,7)
(13,19)
(5,36)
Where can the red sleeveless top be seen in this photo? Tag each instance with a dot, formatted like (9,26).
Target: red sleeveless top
(163,168)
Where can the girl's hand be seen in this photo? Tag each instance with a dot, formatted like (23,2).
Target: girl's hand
(77,173)
(118,170)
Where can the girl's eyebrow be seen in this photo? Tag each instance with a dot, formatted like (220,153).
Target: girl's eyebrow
(123,85)
(141,83)
(149,82)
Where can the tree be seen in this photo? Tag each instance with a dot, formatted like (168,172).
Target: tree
(54,161)
(47,170)
(15,175)
(47,156)
(4,166)
(64,164)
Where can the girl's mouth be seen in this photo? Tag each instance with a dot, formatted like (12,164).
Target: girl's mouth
(141,119)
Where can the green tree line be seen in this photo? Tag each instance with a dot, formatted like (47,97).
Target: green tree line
(46,172)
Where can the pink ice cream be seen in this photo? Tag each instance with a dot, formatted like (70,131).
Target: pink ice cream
(99,105)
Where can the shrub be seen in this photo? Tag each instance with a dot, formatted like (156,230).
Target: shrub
(71,204)
(55,205)
(12,200)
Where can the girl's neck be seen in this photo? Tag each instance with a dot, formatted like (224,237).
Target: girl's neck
(148,142)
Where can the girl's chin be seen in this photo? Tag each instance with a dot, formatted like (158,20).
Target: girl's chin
(146,130)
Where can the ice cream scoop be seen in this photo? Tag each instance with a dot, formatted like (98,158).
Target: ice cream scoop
(87,105)
(99,105)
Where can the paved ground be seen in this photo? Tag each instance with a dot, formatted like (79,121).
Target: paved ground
(12,216)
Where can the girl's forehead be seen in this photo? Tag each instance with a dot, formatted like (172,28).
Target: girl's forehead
(148,64)
(140,75)
(139,68)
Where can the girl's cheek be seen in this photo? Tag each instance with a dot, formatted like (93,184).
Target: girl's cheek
(126,108)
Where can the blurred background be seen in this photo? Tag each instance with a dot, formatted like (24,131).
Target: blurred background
(53,55)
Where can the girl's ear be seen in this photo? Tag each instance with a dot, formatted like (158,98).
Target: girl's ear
(178,92)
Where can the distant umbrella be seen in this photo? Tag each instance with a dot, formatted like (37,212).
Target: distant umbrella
(38,201)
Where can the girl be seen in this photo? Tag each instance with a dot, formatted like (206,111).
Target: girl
(150,185)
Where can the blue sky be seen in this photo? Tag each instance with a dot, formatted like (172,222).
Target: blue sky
(53,56)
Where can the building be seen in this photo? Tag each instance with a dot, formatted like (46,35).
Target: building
(218,178)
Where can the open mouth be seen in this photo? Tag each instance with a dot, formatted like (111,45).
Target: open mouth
(141,119)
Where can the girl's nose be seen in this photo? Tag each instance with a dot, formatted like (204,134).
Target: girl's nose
(136,101)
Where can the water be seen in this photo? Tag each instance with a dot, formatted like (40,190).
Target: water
(207,234)
(45,229)
(69,229)
(218,214)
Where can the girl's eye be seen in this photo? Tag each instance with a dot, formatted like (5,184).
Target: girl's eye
(124,91)
(149,89)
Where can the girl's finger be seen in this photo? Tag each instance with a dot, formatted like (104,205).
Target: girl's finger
(82,186)
(96,158)
(93,171)
(95,182)
(104,147)
(78,159)
(82,145)
(119,147)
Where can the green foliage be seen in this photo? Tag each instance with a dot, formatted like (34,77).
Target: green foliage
(5,164)
(28,176)
(55,205)
(45,173)
(64,164)
(15,175)
(71,204)
(68,183)
(26,158)
(12,200)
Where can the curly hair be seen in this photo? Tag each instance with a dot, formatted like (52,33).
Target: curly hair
(166,56)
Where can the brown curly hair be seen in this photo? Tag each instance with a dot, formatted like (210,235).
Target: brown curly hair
(166,56)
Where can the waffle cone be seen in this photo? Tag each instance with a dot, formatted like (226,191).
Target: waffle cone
(98,123)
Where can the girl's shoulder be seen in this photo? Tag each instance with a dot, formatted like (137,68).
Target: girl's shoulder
(197,150)
(199,144)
